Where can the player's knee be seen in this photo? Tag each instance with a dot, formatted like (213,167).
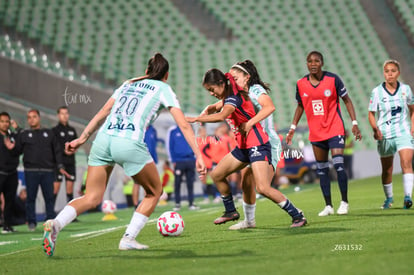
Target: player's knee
(338,162)
(215,176)
(322,168)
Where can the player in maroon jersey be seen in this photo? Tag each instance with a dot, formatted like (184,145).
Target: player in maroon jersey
(252,147)
(318,95)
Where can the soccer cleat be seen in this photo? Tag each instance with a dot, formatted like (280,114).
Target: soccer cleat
(343,208)
(407,202)
(299,221)
(328,210)
(32,227)
(49,237)
(194,207)
(243,225)
(177,207)
(131,244)
(7,230)
(387,203)
(227,216)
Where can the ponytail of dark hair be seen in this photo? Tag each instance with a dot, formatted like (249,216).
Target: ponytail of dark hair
(217,77)
(157,68)
(254,75)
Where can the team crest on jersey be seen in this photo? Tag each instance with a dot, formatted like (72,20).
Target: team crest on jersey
(45,134)
(327,93)
(317,107)
(30,135)
(62,134)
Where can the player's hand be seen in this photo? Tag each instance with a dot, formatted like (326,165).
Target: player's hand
(8,143)
(191,119)
(71,147)
(201,168)
(356,132)
(289,136)
(14,124)
(245,128)
(66,174)
(377,134)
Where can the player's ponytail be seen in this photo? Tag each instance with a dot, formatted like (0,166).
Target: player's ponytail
(157,68)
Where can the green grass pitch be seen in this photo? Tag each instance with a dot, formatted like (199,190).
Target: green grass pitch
(366,241)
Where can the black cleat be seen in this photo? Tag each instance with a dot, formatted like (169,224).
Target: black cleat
(227,216)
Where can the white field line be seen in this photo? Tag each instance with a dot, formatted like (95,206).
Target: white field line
(18,251)
(8,242)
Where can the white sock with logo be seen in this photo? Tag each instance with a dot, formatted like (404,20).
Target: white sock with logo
(138,222)
(66,216)
(249,211)
(408,180)
(388,190)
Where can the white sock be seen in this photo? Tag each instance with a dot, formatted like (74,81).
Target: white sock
(282,204)
(408,180)
(388,190)
(66,216)
(138,221)
(249,211)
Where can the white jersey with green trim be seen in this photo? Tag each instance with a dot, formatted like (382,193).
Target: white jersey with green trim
(136,105)
(255,92)
(392,109)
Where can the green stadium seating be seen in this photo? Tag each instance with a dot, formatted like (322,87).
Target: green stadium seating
(116,38)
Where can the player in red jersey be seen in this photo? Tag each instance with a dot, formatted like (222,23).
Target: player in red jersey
(318,95)
(252,147)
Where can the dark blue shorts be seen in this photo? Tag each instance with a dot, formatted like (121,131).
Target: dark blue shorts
(336,142)
(256,153)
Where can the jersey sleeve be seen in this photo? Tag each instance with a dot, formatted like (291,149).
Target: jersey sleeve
(234,101)
(257,91)
(410,98)
(340,87)
(169,98)
(298,98)
(373,101)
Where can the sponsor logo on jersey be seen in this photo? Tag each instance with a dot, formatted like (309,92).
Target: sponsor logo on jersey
(120,125)
(317,107)
(305,95)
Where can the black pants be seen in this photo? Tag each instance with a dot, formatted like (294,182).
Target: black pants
(186,168)
(8,186)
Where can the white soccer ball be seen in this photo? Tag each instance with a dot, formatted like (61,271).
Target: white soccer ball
(170,224)
(108,207)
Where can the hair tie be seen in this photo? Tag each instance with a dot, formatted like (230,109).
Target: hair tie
(235,87)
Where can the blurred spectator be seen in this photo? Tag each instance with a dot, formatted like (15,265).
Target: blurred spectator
(225,144)
(65,133)
(41,155)
(19,209)
(150,140)
(205,143)
(9,161)
(182,156)
(349,155)
(127,190)
(167,179)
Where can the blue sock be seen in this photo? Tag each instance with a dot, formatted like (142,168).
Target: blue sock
(323,173)
(229,203)
(289,208)
(338,161)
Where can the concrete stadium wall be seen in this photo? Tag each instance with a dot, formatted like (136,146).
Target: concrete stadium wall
(49,90)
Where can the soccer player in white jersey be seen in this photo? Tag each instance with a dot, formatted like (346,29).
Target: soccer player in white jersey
(393,102)
(125,116)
